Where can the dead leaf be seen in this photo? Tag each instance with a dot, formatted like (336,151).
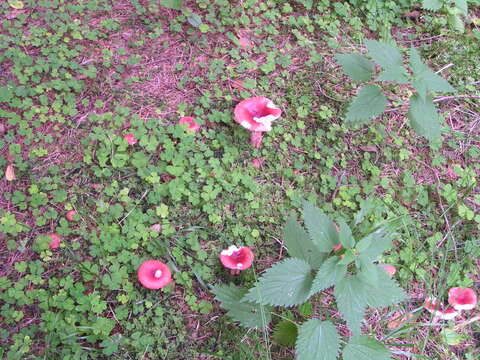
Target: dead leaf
(10,173)
(369,148)
(398,320)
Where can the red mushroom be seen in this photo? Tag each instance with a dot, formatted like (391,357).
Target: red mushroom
(462,298)
(130,139)
(432,306)
(448,314)
(70,215)
(257,162)
(256,115)
(56,240)
(337,247)
(154,274)
(192,125)
(236,259)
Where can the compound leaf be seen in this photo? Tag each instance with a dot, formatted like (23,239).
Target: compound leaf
(300,245)
(349,294)
(172,4)
(432,5)
(357,66)
(424,117)
(367,104)
(389,58)
(321,229)
(247,314)
(424,79)
(385,292)
(287,283)
(362,347)
(328,275)
(317,340)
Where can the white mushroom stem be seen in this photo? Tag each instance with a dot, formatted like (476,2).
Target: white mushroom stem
(158,274)
(256,139)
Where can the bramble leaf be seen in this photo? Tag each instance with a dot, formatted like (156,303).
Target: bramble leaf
(317,340)
(390,59)
(349,294)
(462,5)
(362,347)
(424,78)
(330,273)
(345,234)
(385,292)
(357,66)
(367,104)
(247,314)
(321,229)
(285,333)
(374,244)
(300,245)
(424,117)
(287,283)
(432,5)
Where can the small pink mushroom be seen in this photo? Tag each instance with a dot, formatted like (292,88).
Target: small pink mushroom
(130,139)
(256,115)
(192,125)
(70,215)
(154,274)
(56,240)
(236,259)
(432,305)
(257,162)
(462,298)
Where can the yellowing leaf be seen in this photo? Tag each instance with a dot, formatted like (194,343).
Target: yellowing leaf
(16,4)
(10,173)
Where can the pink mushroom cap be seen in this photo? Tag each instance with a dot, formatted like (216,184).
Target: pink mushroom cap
(236,258)
(130,139)
(256,113)
(154,274)
(462,298)
(70,215)
(56,240)
(192,125)
(449,313)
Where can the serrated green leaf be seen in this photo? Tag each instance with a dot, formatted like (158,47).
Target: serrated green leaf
(287,283)
(432,5)
(424,79)
(247,314)
(195,20)
(357,66)
(285,333)
(367,104)
(374,244)
(330,273)
(345,235)
(300,245)
(321,229)
(424,117)
(456,22)
(385,292)
(367,272)
(317,340)
(362,347)
(172,4)
(462,5)
(349,294)
(389,58)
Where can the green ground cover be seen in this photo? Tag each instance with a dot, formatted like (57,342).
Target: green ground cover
(76,76)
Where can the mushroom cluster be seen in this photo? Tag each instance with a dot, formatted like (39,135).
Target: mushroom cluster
(256,114)
(459,299)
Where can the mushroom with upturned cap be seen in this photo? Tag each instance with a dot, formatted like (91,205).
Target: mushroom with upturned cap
(236,259)
(462,298)
(154,274)
(256,115)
